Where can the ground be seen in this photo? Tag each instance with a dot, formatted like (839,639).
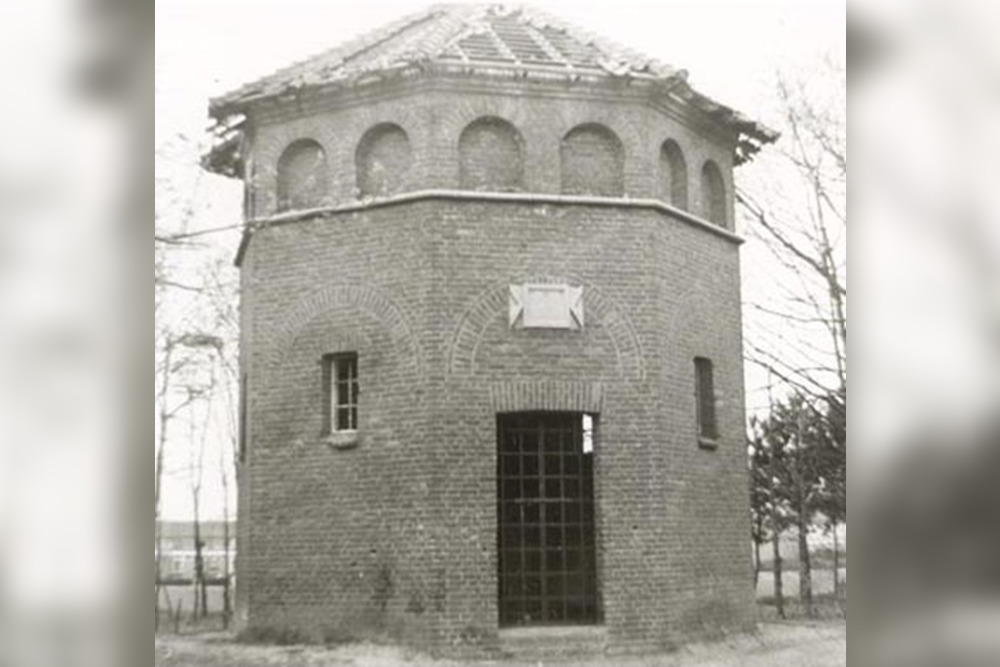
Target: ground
(790,644)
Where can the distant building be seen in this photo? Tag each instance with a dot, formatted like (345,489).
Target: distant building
(491,343)
(178,563)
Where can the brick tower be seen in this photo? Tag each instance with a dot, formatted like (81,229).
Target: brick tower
(491,346)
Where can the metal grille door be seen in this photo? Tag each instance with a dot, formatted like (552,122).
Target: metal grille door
(545,510)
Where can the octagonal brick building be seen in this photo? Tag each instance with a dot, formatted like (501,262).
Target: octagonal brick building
(491,349)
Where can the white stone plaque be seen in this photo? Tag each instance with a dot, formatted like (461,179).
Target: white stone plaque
(546,306)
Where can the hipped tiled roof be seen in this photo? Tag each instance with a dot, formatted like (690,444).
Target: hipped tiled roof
(488,38)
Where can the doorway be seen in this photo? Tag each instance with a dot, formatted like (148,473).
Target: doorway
(545,509)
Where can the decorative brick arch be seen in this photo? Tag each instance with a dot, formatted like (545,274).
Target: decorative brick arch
(492,304)
(592,161)
(458,116)
(302,175)
(491,156)
(627,129)
(350,126)
(327,299)
(673,174)
(382,160)
(713,194)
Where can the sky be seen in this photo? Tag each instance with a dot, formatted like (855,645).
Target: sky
(731,49)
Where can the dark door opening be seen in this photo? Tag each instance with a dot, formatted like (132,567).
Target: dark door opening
(545,509)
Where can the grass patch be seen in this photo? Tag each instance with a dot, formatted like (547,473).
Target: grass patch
(825,607)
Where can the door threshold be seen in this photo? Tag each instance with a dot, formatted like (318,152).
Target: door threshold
(553,641)
(553,632)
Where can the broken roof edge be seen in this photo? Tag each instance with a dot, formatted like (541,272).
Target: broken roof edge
(222,105)
(449,24)
(454,22)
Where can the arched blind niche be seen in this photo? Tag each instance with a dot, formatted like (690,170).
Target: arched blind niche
(491,156)
(713,194)
(303,180)
(673,175)
(382,161)
(592,162)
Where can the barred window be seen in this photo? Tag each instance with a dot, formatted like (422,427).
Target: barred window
(340,390)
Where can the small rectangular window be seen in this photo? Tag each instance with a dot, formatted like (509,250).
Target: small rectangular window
(340,392)
(705,398)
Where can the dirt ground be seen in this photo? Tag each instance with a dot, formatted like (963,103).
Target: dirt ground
(791,644)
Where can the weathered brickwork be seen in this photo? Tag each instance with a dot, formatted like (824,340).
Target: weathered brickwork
(433,115)
(491,156)
(673,174)
(397,536)
(382,161)
(591,161)
(303,176)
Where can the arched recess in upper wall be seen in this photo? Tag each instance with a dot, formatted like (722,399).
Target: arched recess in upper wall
(713,194)
(592,162)
(673,175)
(491,156)
(382,161)
(303,178)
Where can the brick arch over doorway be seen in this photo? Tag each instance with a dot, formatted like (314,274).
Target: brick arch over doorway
(492,304)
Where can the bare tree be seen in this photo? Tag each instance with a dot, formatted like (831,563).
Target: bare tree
(166,412)
(797,211)
(197,469)
(200,386)
(227,607)
(797,331)
(194,282)
(164,418)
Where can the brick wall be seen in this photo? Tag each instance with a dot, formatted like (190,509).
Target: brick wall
(382,161)
(591,162)
(303,177)
(673,174)
(434,114)
(398,535)
(491,157)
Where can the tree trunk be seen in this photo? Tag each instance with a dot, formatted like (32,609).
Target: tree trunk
(164,416)
(805,571)
(200,600)
(836,563)
(177,616)
(779,598)
(170,604)
(200,587)
(802,519)
(756,562)
(226,606)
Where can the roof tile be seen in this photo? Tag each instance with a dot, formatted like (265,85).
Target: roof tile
(489,37)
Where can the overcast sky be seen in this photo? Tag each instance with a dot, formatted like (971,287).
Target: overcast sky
(730,48)
(204,48)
